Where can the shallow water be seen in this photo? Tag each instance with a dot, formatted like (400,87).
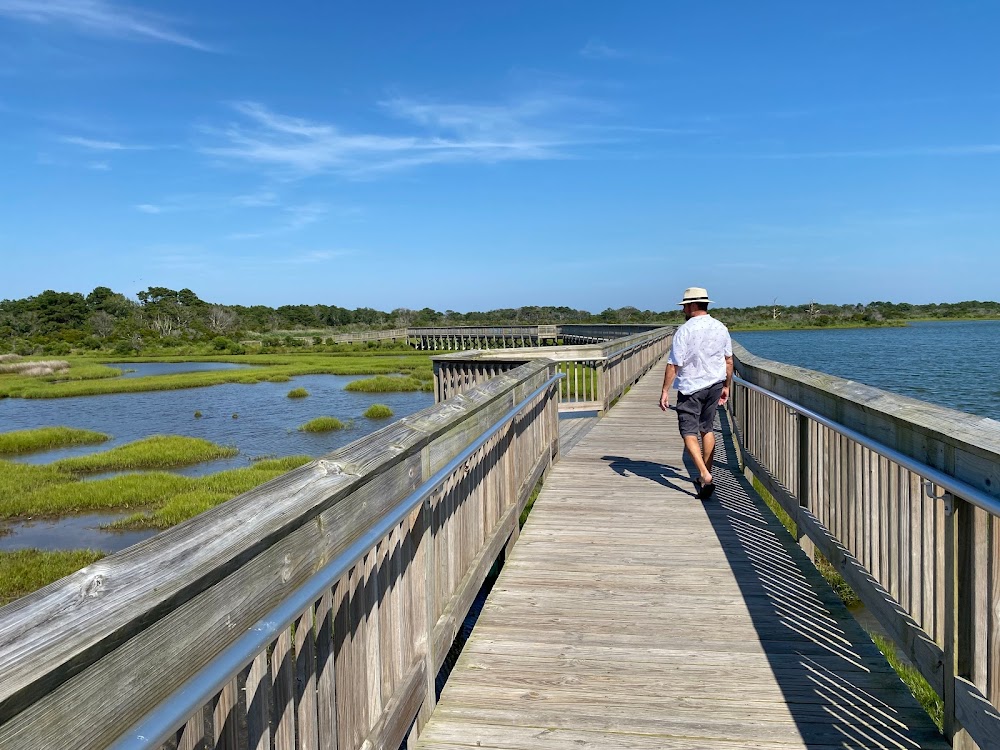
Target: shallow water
(266,422)
(72,532)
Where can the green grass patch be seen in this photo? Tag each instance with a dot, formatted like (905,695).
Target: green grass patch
(26,570)
(836,581)
(775,506)
(529,504)
(383,384)
(298,393)
(378,411)
(920,688)
(115,493)
(322,424)
(17,480)
(156,452)
(178,508)
(279,379)
(45,438)
(43,491)
(207,492)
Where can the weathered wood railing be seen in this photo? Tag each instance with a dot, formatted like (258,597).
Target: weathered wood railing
(596,374)
(903,498)
(312,612)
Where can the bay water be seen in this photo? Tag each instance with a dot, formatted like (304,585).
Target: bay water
(948,363)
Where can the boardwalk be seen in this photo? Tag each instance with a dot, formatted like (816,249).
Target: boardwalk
(632,615)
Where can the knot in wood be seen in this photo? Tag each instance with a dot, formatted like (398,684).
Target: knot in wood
(330,468)
(94,587)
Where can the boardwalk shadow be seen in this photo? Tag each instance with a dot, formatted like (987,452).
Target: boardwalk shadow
(838,689)
(662,474)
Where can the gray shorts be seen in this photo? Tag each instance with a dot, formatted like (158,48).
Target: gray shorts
(696,411)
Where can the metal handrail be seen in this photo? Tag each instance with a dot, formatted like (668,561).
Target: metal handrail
(956,487)
(159,725)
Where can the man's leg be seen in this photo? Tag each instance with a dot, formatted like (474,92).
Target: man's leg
(708,449)
(694,450)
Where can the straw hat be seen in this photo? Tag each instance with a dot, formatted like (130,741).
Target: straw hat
(694,294)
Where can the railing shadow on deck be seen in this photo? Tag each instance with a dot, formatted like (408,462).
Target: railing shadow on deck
(822,660)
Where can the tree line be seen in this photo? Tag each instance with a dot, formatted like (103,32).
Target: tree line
(163,319)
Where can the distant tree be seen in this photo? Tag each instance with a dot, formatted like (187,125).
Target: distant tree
(221,320)
(103,323)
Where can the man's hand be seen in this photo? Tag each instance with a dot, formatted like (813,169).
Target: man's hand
(665,400)
(725,395)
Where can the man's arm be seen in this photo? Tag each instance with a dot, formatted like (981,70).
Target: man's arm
(728,387)
(668,380)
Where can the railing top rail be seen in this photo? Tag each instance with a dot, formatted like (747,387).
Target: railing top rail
(947,482)
(159,725)
(597,352)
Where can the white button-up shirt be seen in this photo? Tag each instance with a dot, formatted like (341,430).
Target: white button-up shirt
(699,351)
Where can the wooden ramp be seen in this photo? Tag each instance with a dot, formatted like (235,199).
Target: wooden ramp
(633,615)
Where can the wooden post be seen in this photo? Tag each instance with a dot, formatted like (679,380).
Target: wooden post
(803,484)
(952,512)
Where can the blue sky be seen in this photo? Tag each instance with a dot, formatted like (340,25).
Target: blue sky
(477,155)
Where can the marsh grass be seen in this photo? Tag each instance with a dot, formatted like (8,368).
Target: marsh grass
(279,379)
(17,480)
(378,411)
(88,378)
(114,493)
(322,424)
(206,492)
(383,384)
(920,688)
(298,393)
(30,491)
(45,438)
(26,570)
(156,452)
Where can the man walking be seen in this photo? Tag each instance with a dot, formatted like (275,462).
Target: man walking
(701,362)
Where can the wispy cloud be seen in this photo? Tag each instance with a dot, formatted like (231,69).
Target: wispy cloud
(100,18)
(598,49)
(99,166)
(448,133)
(149,208)
(259,199)
(293,219)
(99,145)
(595,49)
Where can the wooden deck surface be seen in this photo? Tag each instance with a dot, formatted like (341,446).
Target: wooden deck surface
(633,615)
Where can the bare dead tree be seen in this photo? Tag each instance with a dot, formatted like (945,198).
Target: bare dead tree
(103,323)
(221,320)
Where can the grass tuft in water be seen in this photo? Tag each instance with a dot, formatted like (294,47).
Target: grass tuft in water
(45,438)
(378,411)
(298,393)
(156,452)
(26,570)
(384,384)
(279,379)
(322,424)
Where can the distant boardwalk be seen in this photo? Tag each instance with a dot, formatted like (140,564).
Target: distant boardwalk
(632,615)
